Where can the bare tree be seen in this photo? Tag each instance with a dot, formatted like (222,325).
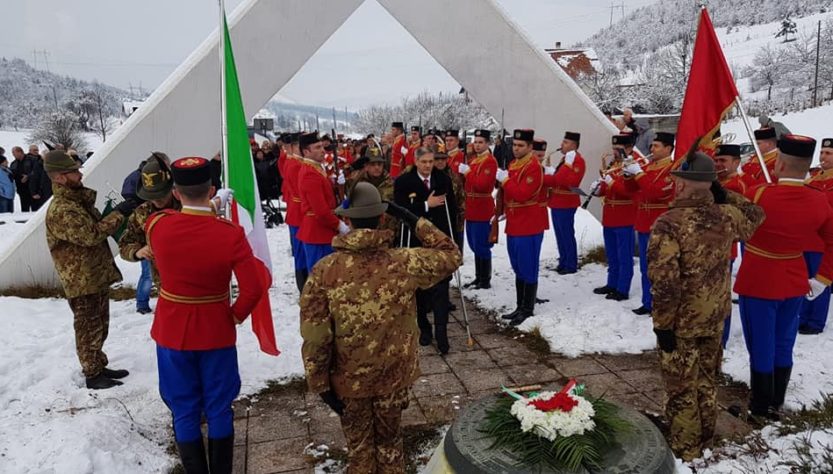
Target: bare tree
(768,69)
(61,127)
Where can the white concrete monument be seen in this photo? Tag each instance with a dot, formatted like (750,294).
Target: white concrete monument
(474,40)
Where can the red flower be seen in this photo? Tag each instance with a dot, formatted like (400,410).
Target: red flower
(561,401)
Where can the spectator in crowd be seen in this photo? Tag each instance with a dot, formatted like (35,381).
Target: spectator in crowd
(628,120)
(40,186)
(645,135)
(780,128)
(6,185)
(21,168)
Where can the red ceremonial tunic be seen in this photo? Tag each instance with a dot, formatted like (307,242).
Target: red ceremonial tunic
(655,191)
(521,195)
(319,223)
(822,181)
(751,173)
(455,158)
(619,206)
(397,158)
(773,266)
(291,168)
(566,177)
(196,253)
(410,157)
(480,182)
(736,184)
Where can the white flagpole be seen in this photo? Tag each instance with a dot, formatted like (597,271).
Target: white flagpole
(221,47)
(752,139)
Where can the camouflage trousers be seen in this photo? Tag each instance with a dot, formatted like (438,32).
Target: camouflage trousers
(374,438)
(690,376)
(92,323)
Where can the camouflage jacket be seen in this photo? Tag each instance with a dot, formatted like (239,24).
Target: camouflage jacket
(688,261)
(358,310)
(77,238)
(134,238)
(384,184)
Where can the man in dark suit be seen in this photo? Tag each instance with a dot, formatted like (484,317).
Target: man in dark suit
(427,192)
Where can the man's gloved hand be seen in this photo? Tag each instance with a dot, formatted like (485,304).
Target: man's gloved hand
(501,175)
(719,193)
(331,399)
(127,206)
(816,289)
(343,228)
(222,197)
(401,213)
(549,170)
(341,179)
(596,184)
(570,157)
(632,169)
(666,340)
(404,150)
(463,169)
(608,179)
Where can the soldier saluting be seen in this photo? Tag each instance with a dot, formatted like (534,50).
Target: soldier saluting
(77,237)
(360,341)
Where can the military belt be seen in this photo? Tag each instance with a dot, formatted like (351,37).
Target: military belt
(479,195)
(618,202)
(193,299)
(298,200)
(653,206)
(770,255)
(521,204)
(561,191)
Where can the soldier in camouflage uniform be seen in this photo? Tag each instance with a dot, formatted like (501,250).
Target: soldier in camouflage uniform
(77,237)
(358,322)
(375,174)
(687,267)
(155,189)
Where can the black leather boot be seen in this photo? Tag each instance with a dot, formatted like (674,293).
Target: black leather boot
(528,304)
(486,276)
(477,272)
(782,379)
(221,455)
(300,279)
(762,386)
(441,309)
(519,300)
(101,382)
(192,455)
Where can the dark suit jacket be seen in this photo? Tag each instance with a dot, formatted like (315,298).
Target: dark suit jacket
(411,183)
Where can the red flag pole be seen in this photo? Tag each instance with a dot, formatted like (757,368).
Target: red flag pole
(758,154)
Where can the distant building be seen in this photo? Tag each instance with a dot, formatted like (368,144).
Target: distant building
(128,106)
(575,61)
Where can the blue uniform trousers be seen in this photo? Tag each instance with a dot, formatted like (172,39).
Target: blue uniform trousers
(769,328)
(297,249)
(143,286)
(477,234)
(196,383)
(727,323)
(813,314)
(525,256)
(643,268)
(563,223)
(315,252)
(619,251)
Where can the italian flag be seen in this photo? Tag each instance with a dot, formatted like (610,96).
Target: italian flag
(245,207)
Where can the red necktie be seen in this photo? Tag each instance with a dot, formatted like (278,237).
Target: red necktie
(427,184)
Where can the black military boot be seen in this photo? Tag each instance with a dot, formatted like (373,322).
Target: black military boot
(221,455)
(761,390)
(192,455)
(300,279)
(477,274)
(616,296)
(603,290)
(519,297)
(781,380)
(441,308)
(101,382)
(528,304)
(114,373)
(486,275)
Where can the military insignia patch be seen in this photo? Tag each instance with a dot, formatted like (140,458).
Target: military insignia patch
(190,162)
(147,179)
(529,180)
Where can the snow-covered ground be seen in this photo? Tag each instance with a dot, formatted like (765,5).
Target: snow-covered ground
(50,423)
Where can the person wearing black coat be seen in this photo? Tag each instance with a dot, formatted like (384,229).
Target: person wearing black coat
(21,170)
(40,186)
(428,193)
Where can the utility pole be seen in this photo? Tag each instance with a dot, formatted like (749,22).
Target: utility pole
(613,8)
(816,83)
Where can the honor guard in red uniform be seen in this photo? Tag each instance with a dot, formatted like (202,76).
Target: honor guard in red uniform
(398,149)
(480,175)
(319,223)
(291,169)
(751,172)
(726,163)
(563,202)
(194,325)
(414,142)
(655,191)
(525,224)
(813,315)
(618,217)
(456,156)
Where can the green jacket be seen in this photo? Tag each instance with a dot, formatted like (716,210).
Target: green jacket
(134,238)
(358,310)
(77,239)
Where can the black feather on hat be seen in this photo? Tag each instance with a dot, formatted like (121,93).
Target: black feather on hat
(697,166)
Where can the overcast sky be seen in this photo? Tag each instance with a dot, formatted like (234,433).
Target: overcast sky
(123,42)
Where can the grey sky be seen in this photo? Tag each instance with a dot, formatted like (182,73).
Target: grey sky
(123,42)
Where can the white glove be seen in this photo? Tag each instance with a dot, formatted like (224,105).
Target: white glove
(549,170)
(501,175)
(816,289)
(463,169)
(596,184)
(570,157)
(343,228)
(608,179)
(632,169)
(404,150)
(222,197)
(341,179)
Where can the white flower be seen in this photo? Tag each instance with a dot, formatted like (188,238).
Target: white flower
(551,425)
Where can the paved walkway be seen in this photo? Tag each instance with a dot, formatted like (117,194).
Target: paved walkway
(274,431)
